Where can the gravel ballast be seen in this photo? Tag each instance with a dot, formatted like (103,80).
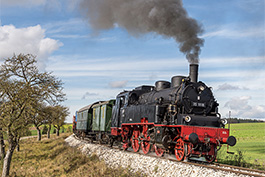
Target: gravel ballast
(150,166)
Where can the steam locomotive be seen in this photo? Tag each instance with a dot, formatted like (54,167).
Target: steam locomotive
(179,117)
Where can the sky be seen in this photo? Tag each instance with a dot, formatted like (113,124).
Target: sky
(97,64)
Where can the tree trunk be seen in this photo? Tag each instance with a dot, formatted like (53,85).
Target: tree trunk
(39,133)
(49,131)
(18,146)
(2,146)
(58,131)
(7,160)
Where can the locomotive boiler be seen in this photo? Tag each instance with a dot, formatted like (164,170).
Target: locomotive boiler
(179,117)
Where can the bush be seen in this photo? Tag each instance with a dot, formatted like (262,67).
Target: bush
(236,159)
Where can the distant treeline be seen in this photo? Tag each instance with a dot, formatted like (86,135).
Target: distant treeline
(237,120)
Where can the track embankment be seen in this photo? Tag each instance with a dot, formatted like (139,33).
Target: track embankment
(147,165)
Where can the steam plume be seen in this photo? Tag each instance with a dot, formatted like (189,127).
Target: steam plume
(163,17)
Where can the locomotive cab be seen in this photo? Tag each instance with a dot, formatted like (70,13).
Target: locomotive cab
(118,109)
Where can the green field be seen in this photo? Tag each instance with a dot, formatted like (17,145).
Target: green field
(64,129)
(250,142)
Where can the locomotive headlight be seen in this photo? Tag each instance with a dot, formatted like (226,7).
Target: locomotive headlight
(224,121)
(201,88)
(187,119)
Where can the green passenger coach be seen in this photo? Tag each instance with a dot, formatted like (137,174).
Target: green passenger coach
(84,118)
(102,116)
(94,121)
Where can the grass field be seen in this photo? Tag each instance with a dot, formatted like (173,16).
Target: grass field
(250,142)
(52,157)
(64,129)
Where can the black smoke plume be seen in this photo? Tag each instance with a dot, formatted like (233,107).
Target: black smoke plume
(163,17)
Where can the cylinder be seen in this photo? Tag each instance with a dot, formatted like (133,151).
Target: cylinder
(176,81)
(194,72)
(161,85)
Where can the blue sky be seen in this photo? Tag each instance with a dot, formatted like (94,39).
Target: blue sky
(97,65)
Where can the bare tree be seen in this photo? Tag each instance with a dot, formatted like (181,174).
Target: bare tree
(13,116)
(21,86)
(2,145)
(49,112)
(60,115)
(38,117)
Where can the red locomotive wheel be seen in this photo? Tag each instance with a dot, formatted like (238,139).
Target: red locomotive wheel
(159,151)
(180,150)
(145,144)
(135,140)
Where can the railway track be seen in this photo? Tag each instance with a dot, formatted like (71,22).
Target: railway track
(215,166)
(240,170)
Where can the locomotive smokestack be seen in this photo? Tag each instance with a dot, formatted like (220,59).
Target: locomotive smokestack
(194,72)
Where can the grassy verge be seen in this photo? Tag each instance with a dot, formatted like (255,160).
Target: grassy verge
(250,147)
(53,157)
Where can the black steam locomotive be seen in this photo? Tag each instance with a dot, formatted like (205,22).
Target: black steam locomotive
(179,117)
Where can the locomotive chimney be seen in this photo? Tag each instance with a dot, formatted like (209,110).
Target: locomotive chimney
(194,72)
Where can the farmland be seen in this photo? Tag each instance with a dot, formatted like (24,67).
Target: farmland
(250,142)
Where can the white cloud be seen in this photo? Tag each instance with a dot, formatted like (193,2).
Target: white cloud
(26,40)
(59,27)
(227,86)
(235,33)
(137,68)
(241,108)
(89,94)
(118,84)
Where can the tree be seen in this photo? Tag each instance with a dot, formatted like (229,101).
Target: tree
(38,117)
(49,114)
(12,118)
(21,86)
(60,115)
(2,145)
(45,129)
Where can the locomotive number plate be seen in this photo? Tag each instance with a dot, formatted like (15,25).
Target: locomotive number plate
(196,104)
